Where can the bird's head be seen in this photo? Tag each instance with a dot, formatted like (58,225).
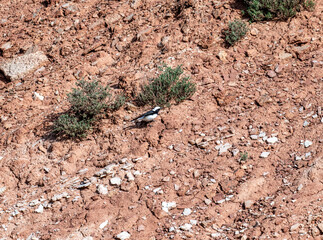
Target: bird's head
(156,109)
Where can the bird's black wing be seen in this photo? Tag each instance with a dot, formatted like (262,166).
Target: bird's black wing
(144,115)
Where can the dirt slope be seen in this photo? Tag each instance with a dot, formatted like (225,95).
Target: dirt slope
(181,177)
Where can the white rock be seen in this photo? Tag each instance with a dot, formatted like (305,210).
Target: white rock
(187,211)
(130,176)
(307,143)
(262,134)
(115,181)
(207,201)
(193,221)
(2,189)
(37,95)
(40,209)
(216,235)
(254,137)
(186,227)
(124,235)
(264,154)
(166,206)
(101,189)
(272,140)
(102,225)
(222,148)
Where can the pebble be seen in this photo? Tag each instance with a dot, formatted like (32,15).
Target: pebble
(216,235)
(306,123)
(222,148)
(115,181)
(271,74)
(186,227)
(102,225)
(264,154)
(272,140)
(101,189)
(254,137)
(123,235)
(58,197)
(295,227)
(307,143)
(207,201)
(193,222)
(222,55)
(248,203)
(166,206)
(37,95)
(40,209)
(187,211)
(130,176)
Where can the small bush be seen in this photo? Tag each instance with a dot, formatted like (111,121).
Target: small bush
(243,157)
(71,126)
(167,87)
(236,30)
(88,99)
(309,5)
(260,10)
(118,103)
(87,102)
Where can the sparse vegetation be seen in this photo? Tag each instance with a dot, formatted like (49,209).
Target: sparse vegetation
(167,87)
(87,102)
(119,101)
(309,5)
(236,30)
(243,157)
(260,10)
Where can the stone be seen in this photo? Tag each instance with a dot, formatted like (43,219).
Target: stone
(222,55)
(207,201)
(264,154)
(141,228)
(187,211)
(103,225)
(101,189)
(130,176)
(272,140)
(166,206)
(123,235)
(248,203)
(222,148)
(307,143)
(254,32)
(40,209)
(271,74)
(295,227)
(284,55)
(116,181)
(38,96)
(19,67)
(186,227)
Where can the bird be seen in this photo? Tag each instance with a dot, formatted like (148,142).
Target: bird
(147,116)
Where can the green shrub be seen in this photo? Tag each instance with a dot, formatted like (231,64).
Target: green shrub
(243,157)
(118,103)
(259,10)
(167,87)
(309,5)
(236,30)
(88,99)
(71,126)
(87,102)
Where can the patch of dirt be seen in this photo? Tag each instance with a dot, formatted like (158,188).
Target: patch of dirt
(182,176)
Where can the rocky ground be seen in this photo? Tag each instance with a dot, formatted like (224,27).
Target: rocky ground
(182,177)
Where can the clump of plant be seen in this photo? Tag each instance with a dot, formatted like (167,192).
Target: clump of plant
(87,102)
(259,10)
(309,5)
(167,87)
(119,101)
(243,157)
(236,30)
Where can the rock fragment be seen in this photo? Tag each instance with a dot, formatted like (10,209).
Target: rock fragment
(264,154)
(123,235)
(116,181)
(19,67)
